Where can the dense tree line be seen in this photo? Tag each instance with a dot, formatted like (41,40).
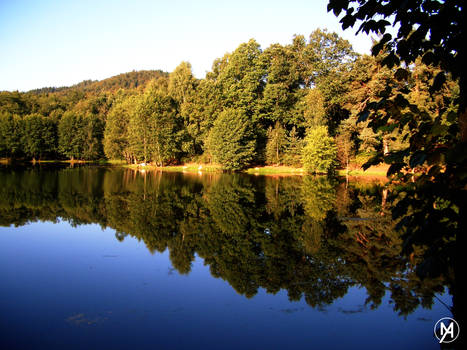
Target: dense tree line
(53,123)
(295,104)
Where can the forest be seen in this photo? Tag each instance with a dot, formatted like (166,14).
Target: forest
(299,105)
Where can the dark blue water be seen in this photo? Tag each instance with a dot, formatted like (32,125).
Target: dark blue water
(76,286)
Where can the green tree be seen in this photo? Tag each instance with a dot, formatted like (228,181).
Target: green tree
(276,144)
(71,135)
(11,129)
(293,152)
(153,129)
(181,83)
(116,144)
(202,108)
(369,82)
(167,131)
(232,139)
(93,129)
(181,88)
(139,131)
(345,148)
(39,137)
(49,136)
(314,110)
(283,87)
(325,55)
(240,78)
(14,103)
(319,153)
(328,59)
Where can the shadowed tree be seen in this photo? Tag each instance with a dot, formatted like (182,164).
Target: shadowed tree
(431,209)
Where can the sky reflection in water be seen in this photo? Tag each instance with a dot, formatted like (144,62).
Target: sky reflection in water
(80,287)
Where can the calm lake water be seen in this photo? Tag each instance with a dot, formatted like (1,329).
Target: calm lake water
(110,258)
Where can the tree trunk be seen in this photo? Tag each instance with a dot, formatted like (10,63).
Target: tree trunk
(385,146)
(463,125)
(462,99)
(145,148)
(383,201)
(277,153)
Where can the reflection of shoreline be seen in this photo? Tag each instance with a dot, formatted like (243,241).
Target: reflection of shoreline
(312,236)
(382,179)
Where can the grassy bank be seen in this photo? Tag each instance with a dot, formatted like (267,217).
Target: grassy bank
(379,170)
(191,168)
(60,161)
(195,167)
(210,168)
(275,170)
(284,170)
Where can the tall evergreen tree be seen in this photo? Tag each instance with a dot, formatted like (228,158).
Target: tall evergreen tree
(276,145)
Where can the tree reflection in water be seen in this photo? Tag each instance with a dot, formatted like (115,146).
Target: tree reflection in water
(311,236)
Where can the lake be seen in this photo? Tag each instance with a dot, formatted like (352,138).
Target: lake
(111,258)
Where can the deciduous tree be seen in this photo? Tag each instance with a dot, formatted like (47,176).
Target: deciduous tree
(232,139)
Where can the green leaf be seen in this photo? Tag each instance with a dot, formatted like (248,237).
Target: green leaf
(372,161)
(438,82)
(395,168)
(362,117)
(388,128)
(347,21)
(401,74)
(418,158)
(428,58)
(439,129)
(390,60)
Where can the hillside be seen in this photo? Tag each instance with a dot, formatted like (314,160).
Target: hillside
(90,93)
(129,80)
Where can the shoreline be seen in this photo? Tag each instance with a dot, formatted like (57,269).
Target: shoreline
(268,170)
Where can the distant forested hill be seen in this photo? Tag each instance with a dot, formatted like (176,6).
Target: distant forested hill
(129,80)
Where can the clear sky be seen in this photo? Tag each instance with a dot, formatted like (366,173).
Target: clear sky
(60,43)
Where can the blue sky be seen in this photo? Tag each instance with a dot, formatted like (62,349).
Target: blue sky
(58,43)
